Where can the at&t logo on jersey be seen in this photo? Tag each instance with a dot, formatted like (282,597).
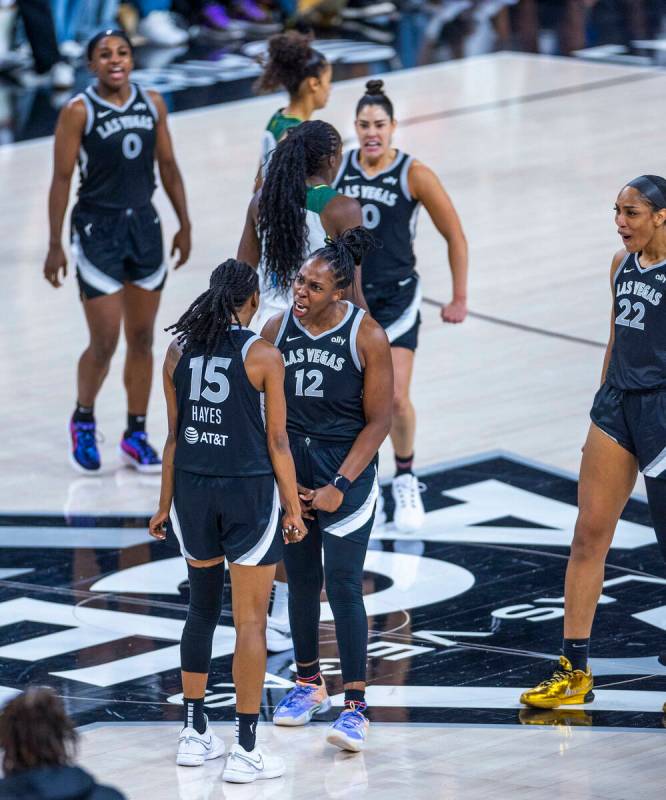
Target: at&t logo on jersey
(191,435)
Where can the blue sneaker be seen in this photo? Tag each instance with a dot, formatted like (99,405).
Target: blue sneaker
(137,452)
(300,704)
(84,455)
(349,730)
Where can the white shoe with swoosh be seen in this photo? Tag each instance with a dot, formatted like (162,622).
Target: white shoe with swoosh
(245,767)
(194,748)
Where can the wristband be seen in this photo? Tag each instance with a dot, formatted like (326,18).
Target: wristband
(341,483)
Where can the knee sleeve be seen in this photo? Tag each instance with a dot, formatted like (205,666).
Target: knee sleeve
(203,614)
(656,492)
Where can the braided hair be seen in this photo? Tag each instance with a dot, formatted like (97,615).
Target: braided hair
(342,253)
(374,96)
(281,219)
(212,314)
(291,59)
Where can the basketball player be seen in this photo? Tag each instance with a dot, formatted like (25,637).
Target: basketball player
(295,65)
(289,218)
(391,186)
(628,430)
(338,385)
(220,500)
(116,130)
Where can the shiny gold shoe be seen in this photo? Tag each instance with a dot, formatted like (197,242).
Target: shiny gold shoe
(567,686)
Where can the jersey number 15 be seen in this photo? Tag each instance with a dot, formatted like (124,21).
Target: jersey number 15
(214,377)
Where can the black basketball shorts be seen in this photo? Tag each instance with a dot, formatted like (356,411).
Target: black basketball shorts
(112,247)
(396,307)
(637,422)
(317,463)
(235,517)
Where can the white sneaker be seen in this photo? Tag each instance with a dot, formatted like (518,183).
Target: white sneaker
(194,748)
(278,638)
(62,75)
(160,29)
(409,514)
(244,767)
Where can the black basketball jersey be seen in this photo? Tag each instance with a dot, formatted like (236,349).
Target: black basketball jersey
(638,360)
(117,153)
(323,378)
(221,428)
(389,213)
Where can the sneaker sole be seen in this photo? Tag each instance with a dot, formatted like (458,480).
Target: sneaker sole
(339,740)
(295,722)
(145,469)
(574,700)
(191,760)
(232,776)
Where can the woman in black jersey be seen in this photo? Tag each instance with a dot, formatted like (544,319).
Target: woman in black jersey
(116,130)
(628,430)
(226,446)
(391,186)
(338,385)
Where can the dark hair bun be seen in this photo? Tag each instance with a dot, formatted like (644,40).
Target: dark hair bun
(374,87)
(357,241)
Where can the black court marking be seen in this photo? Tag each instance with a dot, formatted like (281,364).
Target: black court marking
(472,613)
(507,323)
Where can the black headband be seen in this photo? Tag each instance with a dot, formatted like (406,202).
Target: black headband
(97,38)
(647,187)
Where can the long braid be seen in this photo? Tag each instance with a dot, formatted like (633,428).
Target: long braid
(281,221)
(212,314)
(344,252)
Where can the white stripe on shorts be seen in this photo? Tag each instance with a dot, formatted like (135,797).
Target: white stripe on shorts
(254,556)
(357,519)
(408,317)
(153,280)
(91,274)
(175,524)
(656,466)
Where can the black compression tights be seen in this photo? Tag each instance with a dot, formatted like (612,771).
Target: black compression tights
(656,492)
(343,572)
(203,614)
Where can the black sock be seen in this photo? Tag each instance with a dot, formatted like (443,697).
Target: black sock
(83,413)
(194,713)
(577,651)
(246,730)
(355,700)
(136,423)
(403,466)
(309,674)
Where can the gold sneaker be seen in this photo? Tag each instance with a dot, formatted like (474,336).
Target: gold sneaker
(567,686)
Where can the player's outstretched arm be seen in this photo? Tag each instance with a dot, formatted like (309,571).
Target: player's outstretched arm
(172,181)
(156,527)
(265,371)
(425,186)
(71,124)
(375,356)
(249,247)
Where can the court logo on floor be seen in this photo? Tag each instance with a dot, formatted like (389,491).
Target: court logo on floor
(464,613)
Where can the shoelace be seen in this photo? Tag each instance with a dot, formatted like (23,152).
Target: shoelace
(298,694)
(557,676)
(352,720)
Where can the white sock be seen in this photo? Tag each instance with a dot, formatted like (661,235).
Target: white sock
(279,609)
